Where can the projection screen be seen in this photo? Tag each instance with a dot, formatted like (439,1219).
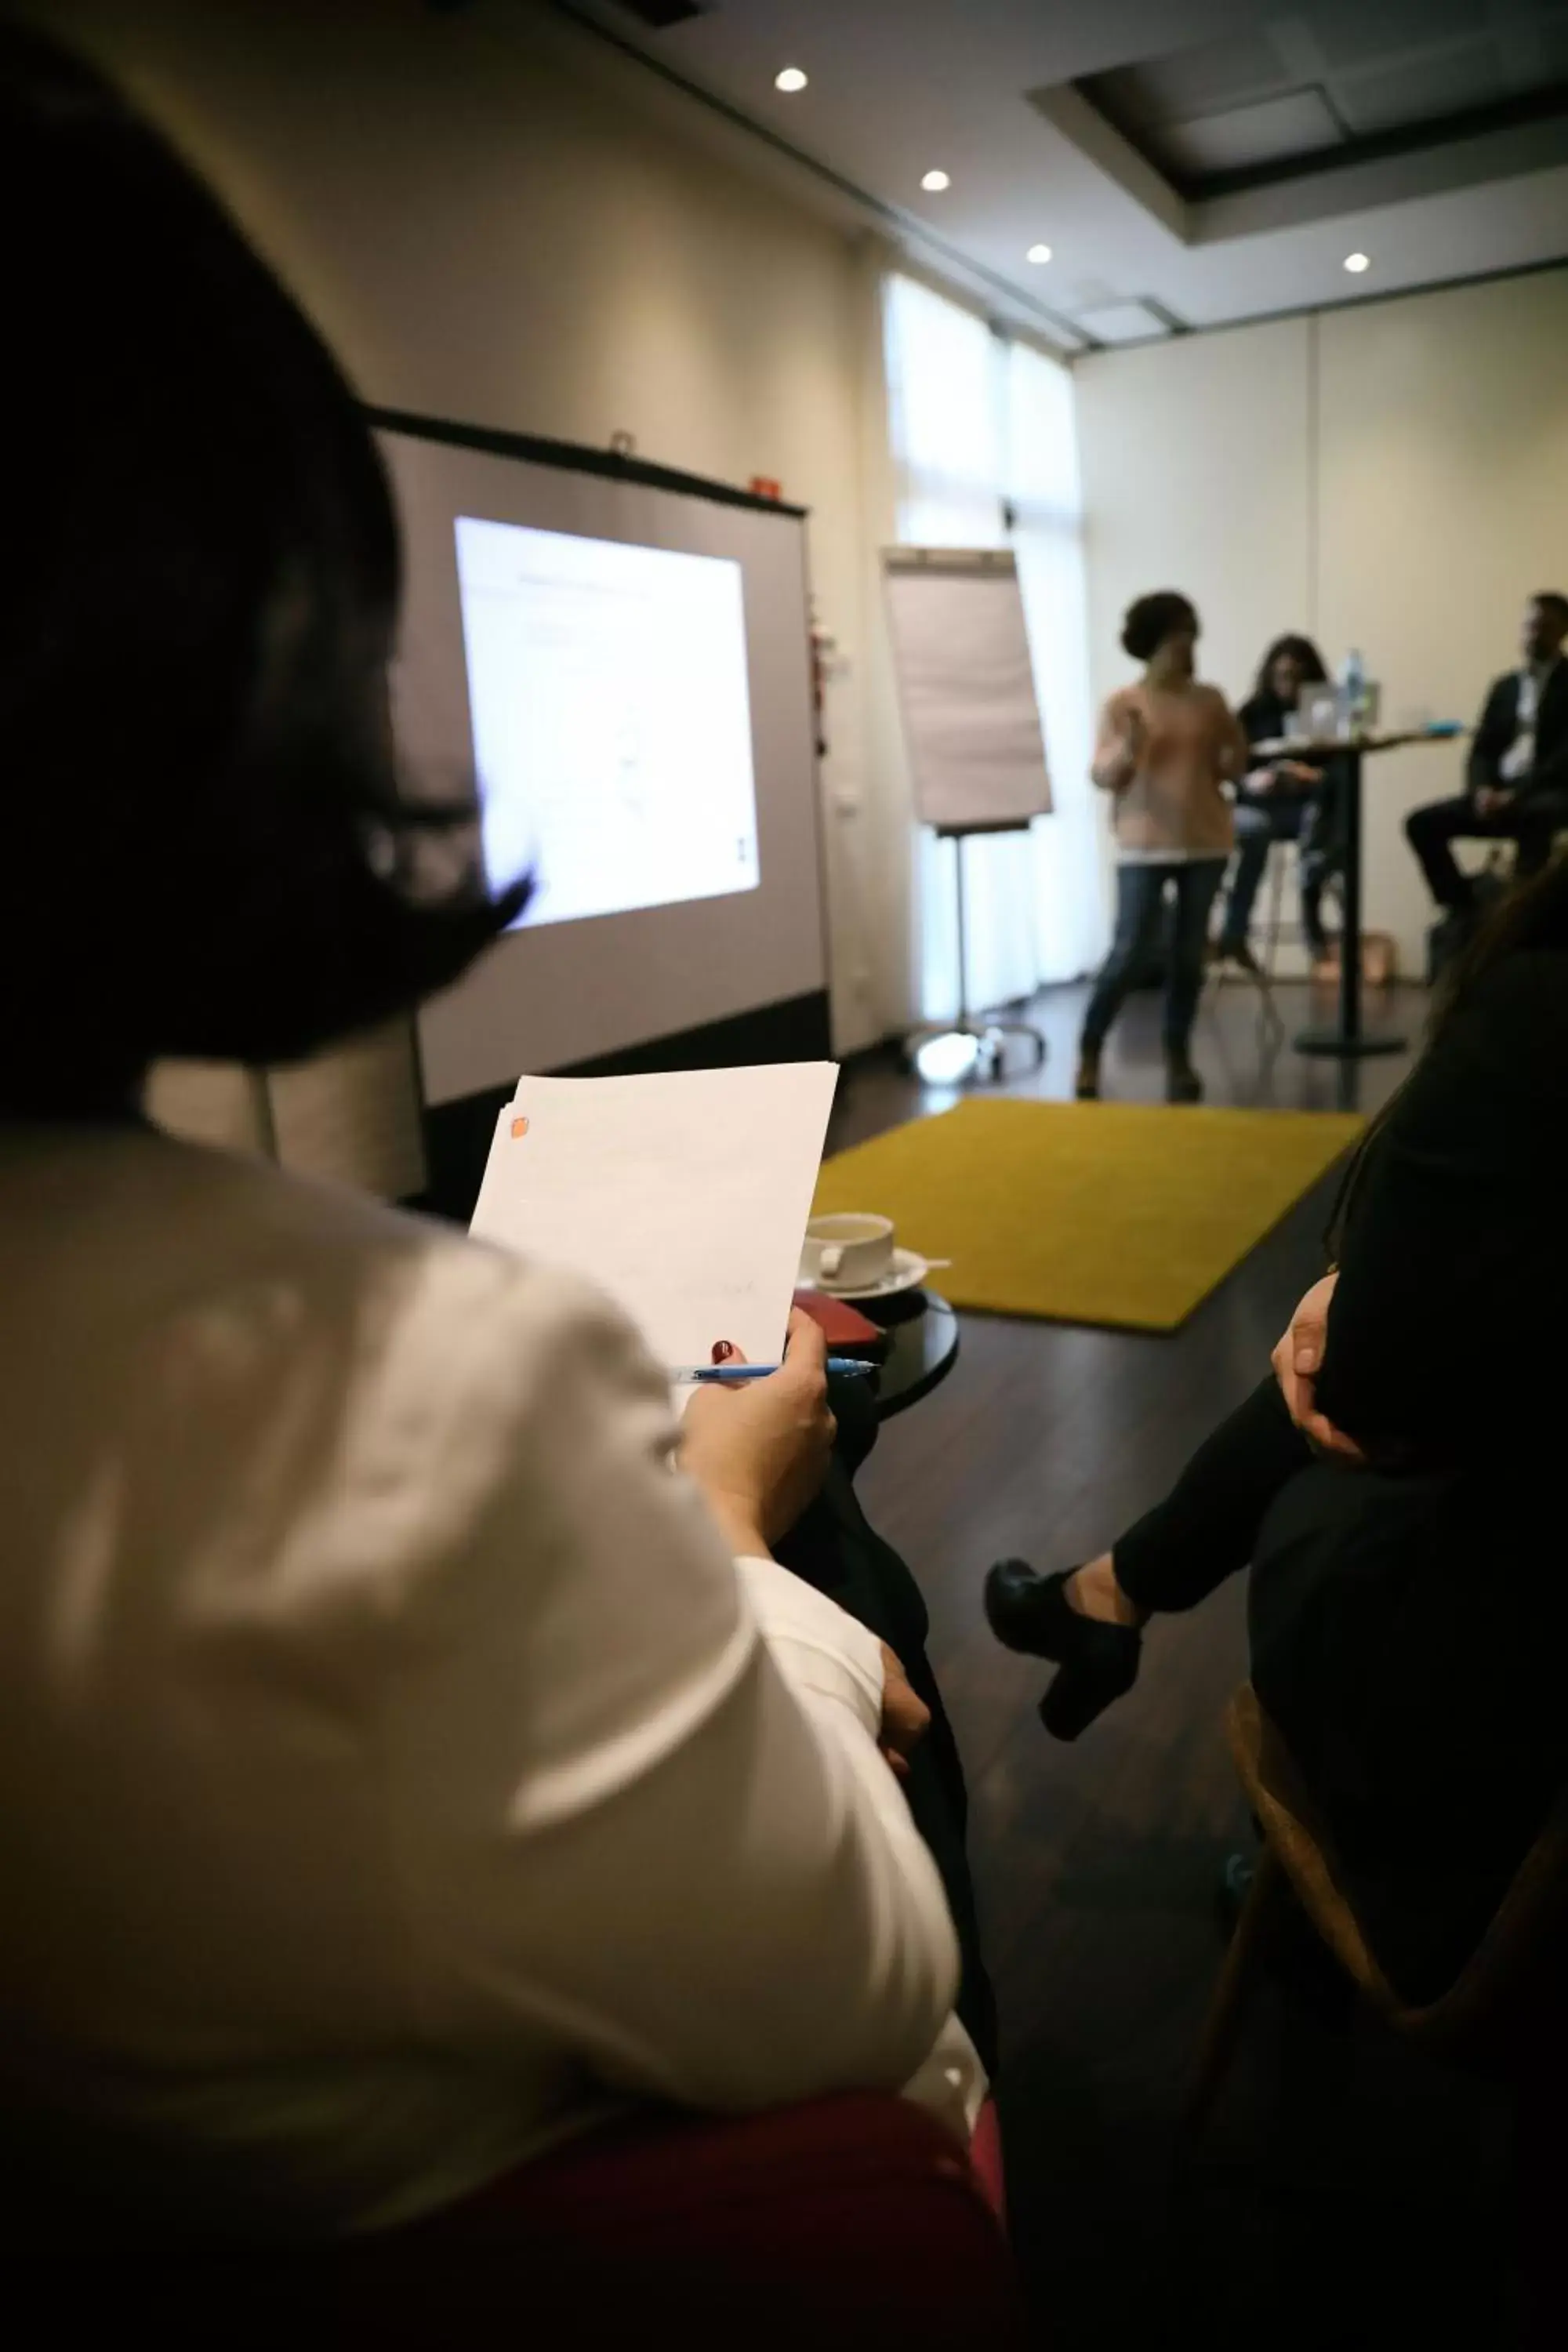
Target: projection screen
(623,661)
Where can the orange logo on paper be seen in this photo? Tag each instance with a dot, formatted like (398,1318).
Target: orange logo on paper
(519,1130)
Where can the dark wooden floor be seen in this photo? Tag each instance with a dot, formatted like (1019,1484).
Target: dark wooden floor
(1347,2194)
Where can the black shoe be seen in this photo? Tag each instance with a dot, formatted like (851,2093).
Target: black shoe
(1099,1661)
(1240,952)
(1182,1084)
(1449,936)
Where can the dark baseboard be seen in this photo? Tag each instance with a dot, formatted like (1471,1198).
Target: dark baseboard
(458,1134)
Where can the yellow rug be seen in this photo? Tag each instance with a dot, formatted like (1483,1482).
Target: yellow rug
(1123,1213)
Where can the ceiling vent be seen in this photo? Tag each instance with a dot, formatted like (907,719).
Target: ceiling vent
(1139,320)
(661,15)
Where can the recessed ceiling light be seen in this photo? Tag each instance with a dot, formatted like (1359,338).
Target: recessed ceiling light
(791,79)
(1039,253)
(933,183)
(1356,262)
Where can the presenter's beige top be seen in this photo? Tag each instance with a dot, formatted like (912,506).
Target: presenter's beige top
(1169,806)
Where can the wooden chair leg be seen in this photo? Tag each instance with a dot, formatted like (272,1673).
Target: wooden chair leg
(1233,1993)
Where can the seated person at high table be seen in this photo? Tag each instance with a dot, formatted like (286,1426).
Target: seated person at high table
(411,1742)
(1397,1488)
(1517,773)
(1282,799)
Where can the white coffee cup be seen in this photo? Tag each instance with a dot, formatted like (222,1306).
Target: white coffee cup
(847,1253)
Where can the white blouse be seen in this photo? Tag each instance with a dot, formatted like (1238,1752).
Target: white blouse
(395,1769)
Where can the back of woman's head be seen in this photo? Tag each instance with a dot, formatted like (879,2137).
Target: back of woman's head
(1531,922)
(1532,919)
(1150,620)
(205,850)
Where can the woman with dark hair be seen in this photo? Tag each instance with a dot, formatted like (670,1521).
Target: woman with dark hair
(401,1751)
(1282,800)
(1166,749)
(1398,1486)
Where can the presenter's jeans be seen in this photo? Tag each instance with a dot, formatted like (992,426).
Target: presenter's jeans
(1139,899)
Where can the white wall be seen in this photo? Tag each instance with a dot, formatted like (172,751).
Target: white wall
(1393,476)
(1197,476)
(488,228)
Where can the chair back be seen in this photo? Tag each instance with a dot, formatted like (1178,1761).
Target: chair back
(1495,2004)
(829,2226)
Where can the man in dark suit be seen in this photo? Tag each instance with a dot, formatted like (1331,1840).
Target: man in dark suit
(1518,766)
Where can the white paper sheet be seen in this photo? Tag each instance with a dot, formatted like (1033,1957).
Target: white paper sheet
(966,684)
(684,1195)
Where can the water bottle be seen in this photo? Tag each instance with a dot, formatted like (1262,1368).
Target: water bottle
(1352,692)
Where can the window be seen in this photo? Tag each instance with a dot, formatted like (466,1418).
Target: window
(983,433)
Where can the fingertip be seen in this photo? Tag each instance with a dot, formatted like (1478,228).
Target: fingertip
(723,1351)
(807,1334)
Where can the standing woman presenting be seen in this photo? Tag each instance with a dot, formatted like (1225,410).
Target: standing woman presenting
(1166,748)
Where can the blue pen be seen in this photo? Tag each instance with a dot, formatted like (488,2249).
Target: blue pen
(838,1367)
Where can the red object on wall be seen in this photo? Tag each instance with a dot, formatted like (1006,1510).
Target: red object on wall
(762,485)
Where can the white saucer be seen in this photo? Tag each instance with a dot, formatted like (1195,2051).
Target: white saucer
(906,1273)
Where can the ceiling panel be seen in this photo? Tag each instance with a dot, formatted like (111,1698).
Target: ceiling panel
(1301,124)
(1361,32)
(1424,89)
(1125,323)
(1201,80)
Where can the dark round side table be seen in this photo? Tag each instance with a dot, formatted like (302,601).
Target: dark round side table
(922,1347)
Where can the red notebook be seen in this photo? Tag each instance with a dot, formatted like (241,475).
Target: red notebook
(845,1329)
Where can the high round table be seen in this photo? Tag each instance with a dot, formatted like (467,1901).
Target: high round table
(1347,1038)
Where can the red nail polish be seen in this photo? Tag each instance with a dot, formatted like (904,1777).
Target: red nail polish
(722,1351)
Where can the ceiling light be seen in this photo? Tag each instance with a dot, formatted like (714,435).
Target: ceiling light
(933,183)
(1039,253)
(791,79)
(1356,262)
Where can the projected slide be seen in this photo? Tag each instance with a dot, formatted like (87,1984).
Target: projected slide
(610,719)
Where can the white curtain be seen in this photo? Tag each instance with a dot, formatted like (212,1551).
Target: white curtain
(1071,911)
(982,427)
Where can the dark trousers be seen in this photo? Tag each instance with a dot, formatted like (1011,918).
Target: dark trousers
(1308,820)
(835,1547)
(1431,832)
(1139,897)
(1207,1528)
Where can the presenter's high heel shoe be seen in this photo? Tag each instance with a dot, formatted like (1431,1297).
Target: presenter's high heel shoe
(1099,1661)
(1182,1084)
